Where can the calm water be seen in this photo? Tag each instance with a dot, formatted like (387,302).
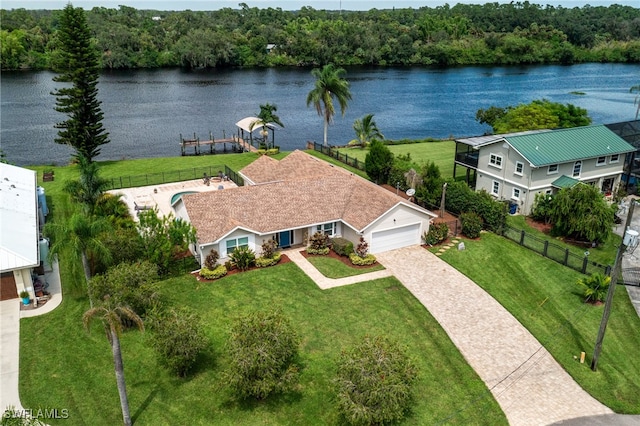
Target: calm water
(146,111)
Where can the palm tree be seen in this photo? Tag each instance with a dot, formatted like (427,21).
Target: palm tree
(267,116)
(366,130)
(88,189)
(112,317)
(80,235)
(329,85)
(636,89)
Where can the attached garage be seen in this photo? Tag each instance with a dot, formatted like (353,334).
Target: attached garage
(394,238)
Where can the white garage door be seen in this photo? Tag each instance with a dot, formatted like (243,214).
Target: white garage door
(395,238)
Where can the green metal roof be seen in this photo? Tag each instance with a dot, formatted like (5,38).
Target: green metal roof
(565,181)
(567,145)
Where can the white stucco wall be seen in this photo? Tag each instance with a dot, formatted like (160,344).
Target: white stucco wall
(399,216)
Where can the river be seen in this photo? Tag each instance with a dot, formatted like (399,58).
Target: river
(145,111)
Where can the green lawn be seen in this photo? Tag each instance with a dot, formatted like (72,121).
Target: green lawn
(333,268)
(441,153)
(62,366)
(604,254)
(544,297)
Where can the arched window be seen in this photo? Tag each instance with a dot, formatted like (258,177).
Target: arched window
(577,168)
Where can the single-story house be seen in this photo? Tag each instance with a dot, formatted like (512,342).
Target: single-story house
(20,220)
(515,167)
(291,199)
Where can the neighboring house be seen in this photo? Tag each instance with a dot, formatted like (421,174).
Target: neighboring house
(291,199)
(20,222)
(515,167)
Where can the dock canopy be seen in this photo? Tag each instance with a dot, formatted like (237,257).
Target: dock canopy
(247,124)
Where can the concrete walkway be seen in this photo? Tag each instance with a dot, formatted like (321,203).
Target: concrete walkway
(10,315)
(324,282)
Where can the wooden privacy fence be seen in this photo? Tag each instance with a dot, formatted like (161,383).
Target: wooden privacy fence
(171,176)
(554,252)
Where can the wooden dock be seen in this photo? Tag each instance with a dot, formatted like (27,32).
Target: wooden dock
(237,145)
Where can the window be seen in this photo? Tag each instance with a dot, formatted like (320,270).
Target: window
(601,161)
(327,228)
(495,188)
(577,168)
(519,168)
(516,193)
(237,243)
(614,158)
(553,168)
(495,160)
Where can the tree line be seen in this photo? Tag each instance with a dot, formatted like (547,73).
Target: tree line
(515,33)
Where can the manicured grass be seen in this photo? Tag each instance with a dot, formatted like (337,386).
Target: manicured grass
(544,297)
(333,268)
(604,254)
(332,160)
(62,366)
(441,153)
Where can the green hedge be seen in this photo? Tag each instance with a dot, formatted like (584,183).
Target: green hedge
(362,261)
(219,272)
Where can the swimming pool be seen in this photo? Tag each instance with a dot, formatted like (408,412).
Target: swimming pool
(177,196)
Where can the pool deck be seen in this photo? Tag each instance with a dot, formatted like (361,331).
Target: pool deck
(160,195)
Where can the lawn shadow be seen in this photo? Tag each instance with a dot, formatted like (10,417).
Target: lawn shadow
(147,401)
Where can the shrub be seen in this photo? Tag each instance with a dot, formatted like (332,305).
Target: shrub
(128,284)
(211,261)
(213,274)
(263,262)
(243,258)
(378,162)
(541,210)
(178,338)
(342,246)
(229,265)
(595,287)
(362,248)
(318,241)
(373,382)
(471,224)
(492,212)
(459,197)
(438,232)
(368,259)
(263,348)
(269,248)
(321,252)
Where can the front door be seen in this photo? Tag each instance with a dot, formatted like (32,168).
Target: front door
(285,239)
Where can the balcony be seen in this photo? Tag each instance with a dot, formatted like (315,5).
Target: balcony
(468,159)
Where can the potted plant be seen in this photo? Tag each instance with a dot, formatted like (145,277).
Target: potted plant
(25,297)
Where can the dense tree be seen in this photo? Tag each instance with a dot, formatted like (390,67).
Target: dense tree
(539,114)
(581,212)
(129,284)
(164,237)
(490,33)
(378,162)
(329,85)
(178,337)
(112,316)
(263,348)
(373,382)
(78,66)
(366,130)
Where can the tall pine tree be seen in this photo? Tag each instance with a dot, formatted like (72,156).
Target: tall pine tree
(77,63)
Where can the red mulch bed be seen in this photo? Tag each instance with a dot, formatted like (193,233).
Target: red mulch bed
(540,226)
(344,259)
(283,259)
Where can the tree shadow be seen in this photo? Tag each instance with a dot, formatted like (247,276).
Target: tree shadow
(147,401)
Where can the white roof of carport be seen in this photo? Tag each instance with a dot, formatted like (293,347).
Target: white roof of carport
(246,123)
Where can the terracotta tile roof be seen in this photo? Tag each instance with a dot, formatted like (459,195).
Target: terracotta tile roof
(320,193)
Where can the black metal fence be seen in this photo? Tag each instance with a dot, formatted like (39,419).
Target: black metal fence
(168,177)
(334,153)
(235,177)
(554,252)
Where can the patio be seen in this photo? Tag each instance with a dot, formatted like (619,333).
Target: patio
(148,197)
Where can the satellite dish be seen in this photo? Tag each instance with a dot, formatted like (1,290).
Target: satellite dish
(410,192)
